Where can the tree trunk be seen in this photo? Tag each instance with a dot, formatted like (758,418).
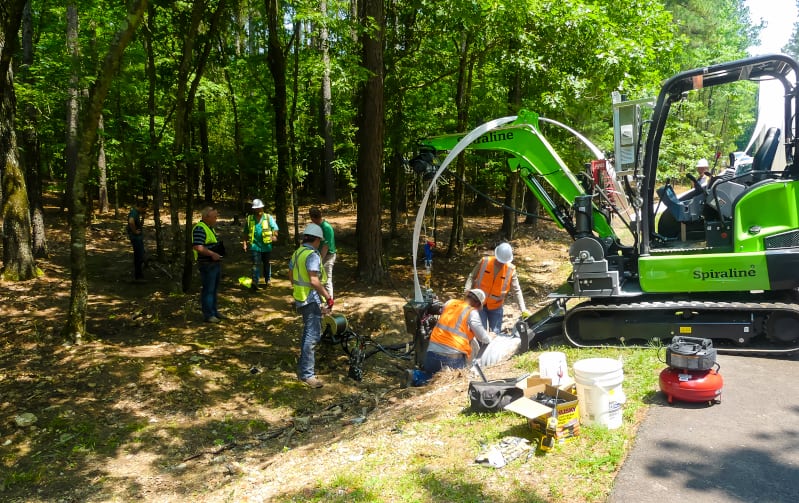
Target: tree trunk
(370,145)
(462,105)
(236,139)
(75,328)
(326,112)
(532,207)
(18,263)
(512,181)
(396,173)
(102,199)
(276,60)
(179,151)
(508,215)
(186,92)
(292,180)
(73,106)
(158,194)
(208,183)
(31,148)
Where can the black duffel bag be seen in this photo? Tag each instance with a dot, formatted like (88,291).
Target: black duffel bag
(493,396)
(218,247)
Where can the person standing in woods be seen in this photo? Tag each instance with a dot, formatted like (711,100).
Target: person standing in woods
(208,252)
(135,230)
(311,299)
(260,231)
(328,246)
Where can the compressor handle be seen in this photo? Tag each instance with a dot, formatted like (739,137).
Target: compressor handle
(702,343)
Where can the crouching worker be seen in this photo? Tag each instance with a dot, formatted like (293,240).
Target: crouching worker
(451,342)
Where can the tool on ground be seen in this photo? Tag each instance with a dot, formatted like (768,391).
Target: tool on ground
(336,330)
(480,371)
(548,440)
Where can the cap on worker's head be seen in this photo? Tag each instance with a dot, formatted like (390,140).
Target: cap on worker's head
(257,203)
(313,230)
(702,163)
(504,253)
(478,294)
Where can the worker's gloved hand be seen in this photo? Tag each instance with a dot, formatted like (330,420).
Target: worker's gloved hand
(526,314)
(330,302)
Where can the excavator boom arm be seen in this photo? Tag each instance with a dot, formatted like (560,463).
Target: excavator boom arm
(534,158)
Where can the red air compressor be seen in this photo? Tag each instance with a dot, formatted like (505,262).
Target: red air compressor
(690,375)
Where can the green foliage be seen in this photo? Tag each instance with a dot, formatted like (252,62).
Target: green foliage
(564,59)
(792,47)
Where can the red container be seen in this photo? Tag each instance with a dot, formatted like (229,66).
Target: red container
(691,385)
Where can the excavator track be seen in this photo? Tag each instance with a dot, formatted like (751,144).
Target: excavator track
(735,326)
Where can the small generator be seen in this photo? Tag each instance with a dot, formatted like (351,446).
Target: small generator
(691,376)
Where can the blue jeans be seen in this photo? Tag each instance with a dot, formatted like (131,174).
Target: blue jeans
(311,335)
(261,258)
(434,362)
(210,274)
(138,256)
(493,317)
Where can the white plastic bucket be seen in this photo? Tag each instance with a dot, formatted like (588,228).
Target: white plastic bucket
(552,365)
(599,390)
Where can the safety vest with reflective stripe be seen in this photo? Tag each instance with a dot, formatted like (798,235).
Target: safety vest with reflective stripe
(299,273)
(452,329)
(210,236)
(266,235)
(494,278)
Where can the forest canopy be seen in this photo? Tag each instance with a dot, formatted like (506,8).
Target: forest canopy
(297,102)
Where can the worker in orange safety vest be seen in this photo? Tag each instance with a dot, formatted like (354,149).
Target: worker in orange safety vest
(496,276)
(451,339)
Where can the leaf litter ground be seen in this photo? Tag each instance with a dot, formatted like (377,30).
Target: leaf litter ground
(158,406)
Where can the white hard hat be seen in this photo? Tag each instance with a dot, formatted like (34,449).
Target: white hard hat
(479,295)
(257,203)
(702,163)
(313,230)
(504,253)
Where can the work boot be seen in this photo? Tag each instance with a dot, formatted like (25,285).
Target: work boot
(313,382)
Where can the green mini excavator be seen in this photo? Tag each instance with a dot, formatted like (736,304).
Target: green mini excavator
(718,261)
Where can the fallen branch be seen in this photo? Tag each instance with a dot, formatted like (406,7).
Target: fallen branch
(221,449)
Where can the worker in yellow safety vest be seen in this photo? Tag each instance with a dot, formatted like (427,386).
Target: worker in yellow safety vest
(307,281)
(208,251)
(496,276)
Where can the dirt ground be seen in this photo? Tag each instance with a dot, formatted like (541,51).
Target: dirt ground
(158,406)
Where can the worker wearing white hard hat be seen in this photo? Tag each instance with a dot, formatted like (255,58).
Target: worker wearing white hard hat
(310,298)
(703,170)
(451,339)
(259,232)
(496,276)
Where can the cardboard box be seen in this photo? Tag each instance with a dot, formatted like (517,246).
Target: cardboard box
(534,383)
(538,413)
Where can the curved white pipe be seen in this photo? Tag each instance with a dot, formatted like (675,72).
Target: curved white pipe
(593,148)
(459,147)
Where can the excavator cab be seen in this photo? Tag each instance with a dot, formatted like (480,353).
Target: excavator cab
(704,219)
